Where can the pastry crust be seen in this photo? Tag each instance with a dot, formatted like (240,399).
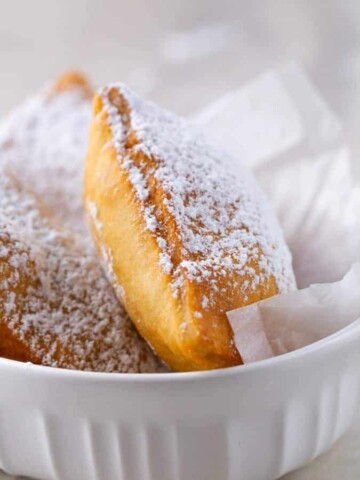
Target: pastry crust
(70,82)
(182,241)
(43,141)
(56,308)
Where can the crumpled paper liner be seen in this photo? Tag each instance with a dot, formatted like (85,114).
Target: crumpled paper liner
(282,129)
(293,320)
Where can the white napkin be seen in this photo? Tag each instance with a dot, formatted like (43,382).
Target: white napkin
(282,129)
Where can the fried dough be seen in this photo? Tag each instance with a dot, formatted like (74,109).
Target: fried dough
(44,140)
(56,307)
(183,241)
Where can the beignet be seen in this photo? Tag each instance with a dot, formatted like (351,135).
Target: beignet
(182,240)
(44,143)
(56,307)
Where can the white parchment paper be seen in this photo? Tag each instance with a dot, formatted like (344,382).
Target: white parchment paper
(282,129)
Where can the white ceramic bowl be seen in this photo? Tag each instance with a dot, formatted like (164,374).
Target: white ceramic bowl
(252,422)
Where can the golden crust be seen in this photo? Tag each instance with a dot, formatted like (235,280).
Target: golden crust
(184,332)
(71,80)
(13,344)
(10,345)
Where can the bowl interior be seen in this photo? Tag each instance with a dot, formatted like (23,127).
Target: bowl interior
(350,333)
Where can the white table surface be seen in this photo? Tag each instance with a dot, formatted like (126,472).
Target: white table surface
(185,53)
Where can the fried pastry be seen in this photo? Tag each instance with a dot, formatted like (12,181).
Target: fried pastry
(44,142)
(56,307)
(183,241)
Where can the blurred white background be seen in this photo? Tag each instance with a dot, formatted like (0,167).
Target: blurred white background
(185,53)
(182,53)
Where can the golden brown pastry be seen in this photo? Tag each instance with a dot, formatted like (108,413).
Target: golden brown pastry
(56,307)
(44,142)
(183,240)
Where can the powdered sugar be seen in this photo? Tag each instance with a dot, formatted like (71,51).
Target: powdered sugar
(44,142)
(54,298)
(94,216)
(224,224)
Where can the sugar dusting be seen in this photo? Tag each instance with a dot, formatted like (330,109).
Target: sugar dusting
(224,224)
(54,297)
(44,142)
